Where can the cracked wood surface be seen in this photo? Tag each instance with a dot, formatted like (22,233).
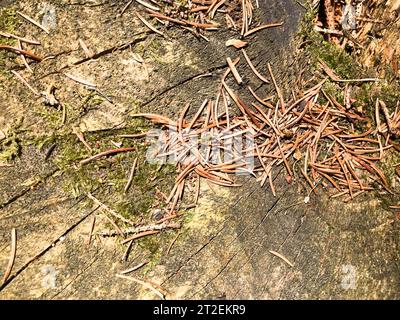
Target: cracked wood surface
(223,250)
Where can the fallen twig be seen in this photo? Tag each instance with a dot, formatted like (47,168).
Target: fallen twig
(26,53)
(10,35)
(139,229)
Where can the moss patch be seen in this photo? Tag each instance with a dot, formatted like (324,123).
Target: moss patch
(8,23)
(10,147)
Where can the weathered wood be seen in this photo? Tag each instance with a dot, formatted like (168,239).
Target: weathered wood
(223,251)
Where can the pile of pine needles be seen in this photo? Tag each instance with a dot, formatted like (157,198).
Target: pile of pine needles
(318,140)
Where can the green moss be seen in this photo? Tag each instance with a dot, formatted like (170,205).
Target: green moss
(342,63)
(387,164)
(10,147)
(51,116)
(156,247)
(8,23)
(156,50)
(112,173)
(151,49)
(150,243)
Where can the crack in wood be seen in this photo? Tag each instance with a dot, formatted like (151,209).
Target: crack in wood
(27,189)
(46,249)
(182,82)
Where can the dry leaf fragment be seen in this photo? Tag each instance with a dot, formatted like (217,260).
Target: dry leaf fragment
(236,43)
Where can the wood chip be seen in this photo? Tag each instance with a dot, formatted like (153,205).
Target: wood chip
(236,43)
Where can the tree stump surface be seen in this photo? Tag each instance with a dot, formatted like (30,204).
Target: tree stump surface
(337,250)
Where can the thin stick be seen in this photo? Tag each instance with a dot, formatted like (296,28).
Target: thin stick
(116,227)
(359,80)
(172,243)
(27,53)
(284,159)
(262,101)
(198,113)
(82,139)
(137,135)
(91,230)
(345,175)
(132,172)
(159,226)
(148,5)
(23,57)
(226,108)
(126,7)
(64,114)
(12,255)
(214,7)
(282,257)
(140,235)
(88,53)
(37,24)
(196,197)
(144,284)
(128,249)
(207,26)
(278,91)
(79,80)
(182,116)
